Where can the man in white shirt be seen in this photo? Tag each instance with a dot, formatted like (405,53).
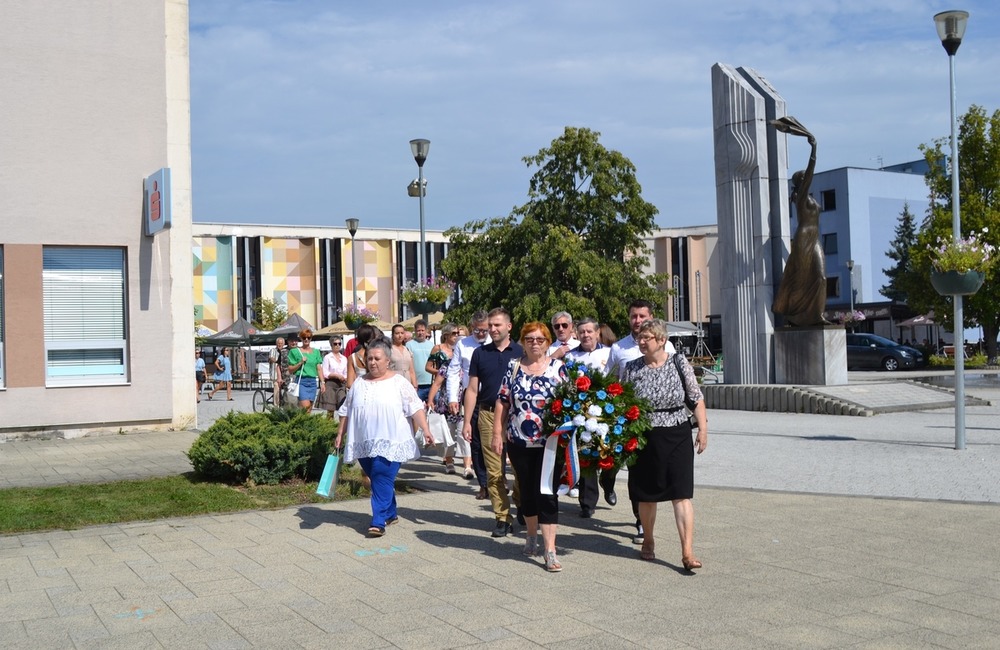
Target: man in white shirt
(625,350)
(457,381)
(595,355)
(562,327)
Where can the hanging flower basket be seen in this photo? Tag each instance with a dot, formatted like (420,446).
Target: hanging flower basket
(355,316)
(424,307)
(957,283)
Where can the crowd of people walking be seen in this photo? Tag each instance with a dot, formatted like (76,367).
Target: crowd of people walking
(481,395)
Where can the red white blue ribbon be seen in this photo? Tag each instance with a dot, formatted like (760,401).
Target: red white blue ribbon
(572,465)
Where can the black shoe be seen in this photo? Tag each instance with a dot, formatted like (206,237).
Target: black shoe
(640,535)
(586,513)
(610,497)
(503,529)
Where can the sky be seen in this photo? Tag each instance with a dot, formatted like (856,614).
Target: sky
(302,110)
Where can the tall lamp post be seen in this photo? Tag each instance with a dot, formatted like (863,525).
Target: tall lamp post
(951,29)
(352,227)
(420,147)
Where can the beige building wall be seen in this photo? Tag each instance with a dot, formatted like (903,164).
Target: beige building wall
(95,97)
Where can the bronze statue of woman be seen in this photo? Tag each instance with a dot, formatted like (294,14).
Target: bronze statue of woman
(802,293)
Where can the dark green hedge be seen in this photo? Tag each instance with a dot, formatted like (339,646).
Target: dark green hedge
(264,448)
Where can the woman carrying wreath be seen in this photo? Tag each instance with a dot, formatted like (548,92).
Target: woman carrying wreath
(525,392)
(664,470)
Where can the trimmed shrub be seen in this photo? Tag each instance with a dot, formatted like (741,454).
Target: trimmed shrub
(264,448)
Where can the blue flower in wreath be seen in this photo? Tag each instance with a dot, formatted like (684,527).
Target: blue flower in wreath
(602,395)
(609,408)
(567,403)
(577,406)
(582,396)
(607,440)
(620,420)
(618,449)
(618,429)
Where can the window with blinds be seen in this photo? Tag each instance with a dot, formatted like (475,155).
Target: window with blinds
(85,326)
(3,380)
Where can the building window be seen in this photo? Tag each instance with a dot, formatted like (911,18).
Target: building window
(833,287)
(83,291)
(829,200)
(830,244)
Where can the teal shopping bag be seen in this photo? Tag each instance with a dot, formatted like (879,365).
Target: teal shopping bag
(329,477)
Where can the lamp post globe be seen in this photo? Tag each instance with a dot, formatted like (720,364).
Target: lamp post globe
(352,227)
(420,147)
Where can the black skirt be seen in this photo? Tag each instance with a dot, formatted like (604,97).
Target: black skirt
(664,470)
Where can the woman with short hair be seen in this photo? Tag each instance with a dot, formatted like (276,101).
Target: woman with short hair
(664,469)
(376,431)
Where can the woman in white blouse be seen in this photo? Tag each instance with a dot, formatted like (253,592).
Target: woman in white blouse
(374,426)
(335,374)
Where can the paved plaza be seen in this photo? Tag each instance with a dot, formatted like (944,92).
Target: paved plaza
(816,531)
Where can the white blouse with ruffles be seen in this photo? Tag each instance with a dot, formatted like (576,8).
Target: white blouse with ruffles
(377,423)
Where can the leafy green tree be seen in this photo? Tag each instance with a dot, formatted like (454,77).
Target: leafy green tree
(576,245)
(268,314)
(899,251)
(979,190)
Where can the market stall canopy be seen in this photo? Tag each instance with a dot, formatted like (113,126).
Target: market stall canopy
(290,328)
(923,319)
(682,328)
(238,333)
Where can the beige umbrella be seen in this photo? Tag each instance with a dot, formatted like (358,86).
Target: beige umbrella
(341,328)
(433,320)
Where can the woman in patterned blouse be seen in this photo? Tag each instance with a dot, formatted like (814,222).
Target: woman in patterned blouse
(525,391)
(664,470)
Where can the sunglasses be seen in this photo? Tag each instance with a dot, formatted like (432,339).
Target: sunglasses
(562,326)
(480,330)
(306,338)
(337,343)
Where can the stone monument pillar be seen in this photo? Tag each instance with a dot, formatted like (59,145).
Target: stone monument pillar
(751,180)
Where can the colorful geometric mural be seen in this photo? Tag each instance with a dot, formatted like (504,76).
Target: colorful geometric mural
(289,273)
(213,281)
(376,279)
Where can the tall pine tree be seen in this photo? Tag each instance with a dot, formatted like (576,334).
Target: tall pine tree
(899,251)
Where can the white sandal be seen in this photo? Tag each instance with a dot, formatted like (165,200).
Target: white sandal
(551,563)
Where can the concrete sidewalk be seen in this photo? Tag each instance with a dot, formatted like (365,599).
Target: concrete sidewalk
(794,557)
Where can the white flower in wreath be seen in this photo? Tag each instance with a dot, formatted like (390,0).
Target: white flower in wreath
(602,428)
(578,420)
(590,425)
(585,437)
(594,411)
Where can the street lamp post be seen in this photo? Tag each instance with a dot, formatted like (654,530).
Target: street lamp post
(951,29)
(850,284)
(352,227)
(420,147)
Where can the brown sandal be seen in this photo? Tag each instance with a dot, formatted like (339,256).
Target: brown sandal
(691,563)
(646,553)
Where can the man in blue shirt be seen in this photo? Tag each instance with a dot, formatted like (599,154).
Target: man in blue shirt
(420,347)
(487,368)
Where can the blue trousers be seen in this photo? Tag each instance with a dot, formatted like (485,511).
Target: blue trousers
(382,473)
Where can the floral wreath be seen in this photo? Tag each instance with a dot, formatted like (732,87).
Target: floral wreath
(606,418)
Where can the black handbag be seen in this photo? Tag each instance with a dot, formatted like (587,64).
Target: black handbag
(688,402)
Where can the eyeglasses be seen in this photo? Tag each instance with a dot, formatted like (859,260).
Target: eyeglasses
(307,338)
(562,326)
(535,340)
(480,330)
(647,337)
(337,343)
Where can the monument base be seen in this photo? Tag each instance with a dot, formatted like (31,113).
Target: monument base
(810,356)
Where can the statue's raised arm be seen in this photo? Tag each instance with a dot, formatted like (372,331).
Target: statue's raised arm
(802,293)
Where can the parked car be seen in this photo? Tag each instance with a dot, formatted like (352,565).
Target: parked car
(871,351)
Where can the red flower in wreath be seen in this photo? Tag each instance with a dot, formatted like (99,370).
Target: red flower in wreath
(584,462)
(615,389)
(632,414)
(556,407)
(606,463)
(583,383)
(631,444)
